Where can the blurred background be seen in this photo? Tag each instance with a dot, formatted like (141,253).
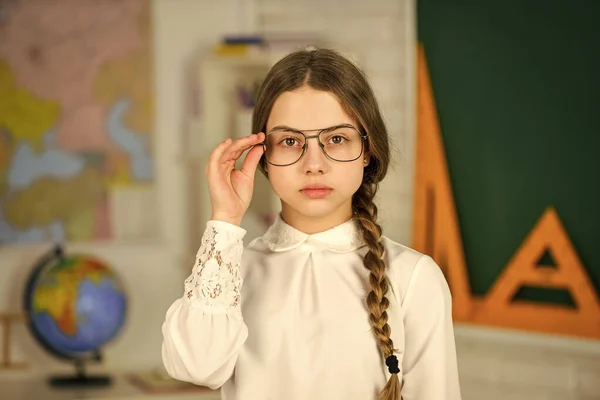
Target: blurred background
(109,109)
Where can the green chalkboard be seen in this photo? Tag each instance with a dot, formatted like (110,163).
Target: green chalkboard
(517,88)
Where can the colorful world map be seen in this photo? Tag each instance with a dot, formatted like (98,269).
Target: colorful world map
(76,113)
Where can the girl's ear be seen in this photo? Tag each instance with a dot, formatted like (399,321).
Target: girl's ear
(366,160)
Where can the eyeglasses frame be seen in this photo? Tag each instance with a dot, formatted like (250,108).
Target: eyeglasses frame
(363,136)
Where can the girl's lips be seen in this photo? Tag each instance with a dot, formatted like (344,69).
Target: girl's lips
(316,193)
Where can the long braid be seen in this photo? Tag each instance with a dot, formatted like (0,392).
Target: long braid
(365,215)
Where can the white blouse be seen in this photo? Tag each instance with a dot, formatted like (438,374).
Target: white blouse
(288,319)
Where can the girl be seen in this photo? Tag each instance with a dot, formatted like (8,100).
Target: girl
(322,306)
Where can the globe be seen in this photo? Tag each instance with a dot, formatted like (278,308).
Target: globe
(75,305)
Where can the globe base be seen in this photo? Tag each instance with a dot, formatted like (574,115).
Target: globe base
(80,381)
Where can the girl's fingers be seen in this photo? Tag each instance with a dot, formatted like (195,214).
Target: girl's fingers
(251,161)
(216,154)
(235,150)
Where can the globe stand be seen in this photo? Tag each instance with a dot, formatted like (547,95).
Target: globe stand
(80,379)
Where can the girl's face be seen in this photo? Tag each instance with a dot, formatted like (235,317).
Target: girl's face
(308,210)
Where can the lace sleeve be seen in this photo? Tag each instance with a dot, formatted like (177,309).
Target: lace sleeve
(215,282)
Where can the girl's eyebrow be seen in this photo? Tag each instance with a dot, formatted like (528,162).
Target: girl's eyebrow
(288,128)
(283,128)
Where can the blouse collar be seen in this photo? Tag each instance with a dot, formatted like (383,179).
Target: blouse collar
(342,238)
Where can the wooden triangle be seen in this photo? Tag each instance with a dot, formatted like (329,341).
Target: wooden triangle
(523,270)
(435,226)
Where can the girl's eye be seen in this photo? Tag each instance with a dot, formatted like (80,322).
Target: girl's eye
(337,139)
(289,141)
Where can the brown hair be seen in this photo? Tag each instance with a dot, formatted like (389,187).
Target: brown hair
(328,70)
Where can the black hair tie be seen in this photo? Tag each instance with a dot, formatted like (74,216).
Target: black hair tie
(392,363)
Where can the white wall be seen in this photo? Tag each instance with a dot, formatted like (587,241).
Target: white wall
(497,364)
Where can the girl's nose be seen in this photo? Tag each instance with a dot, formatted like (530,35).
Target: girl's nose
(314,160)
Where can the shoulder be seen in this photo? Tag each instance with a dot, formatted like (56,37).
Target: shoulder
(410,270)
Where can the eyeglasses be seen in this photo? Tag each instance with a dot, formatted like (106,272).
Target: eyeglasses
(286,146)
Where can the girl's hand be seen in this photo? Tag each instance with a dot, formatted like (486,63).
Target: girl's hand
(231,189)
